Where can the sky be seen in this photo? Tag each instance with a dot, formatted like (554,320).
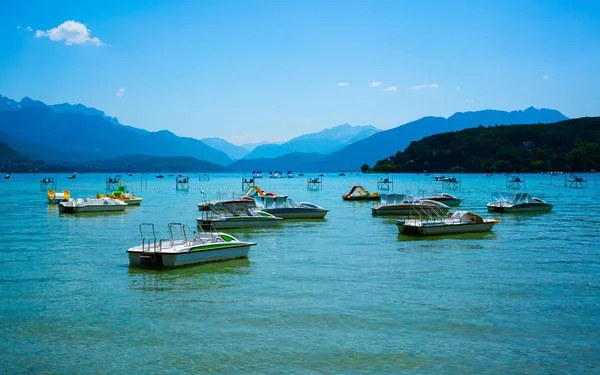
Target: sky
(252,71)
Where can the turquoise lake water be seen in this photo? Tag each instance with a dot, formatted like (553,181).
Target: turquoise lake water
(346,295)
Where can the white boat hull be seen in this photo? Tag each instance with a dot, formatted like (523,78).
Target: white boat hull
(418,228)
(239,222)
(407,211)
(520,208)
(447,202)
(90,208)
(139,258)
(297,213)
(133,202)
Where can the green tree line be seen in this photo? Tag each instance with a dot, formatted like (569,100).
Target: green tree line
(570,145)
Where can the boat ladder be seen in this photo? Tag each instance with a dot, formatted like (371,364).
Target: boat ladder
(151,245)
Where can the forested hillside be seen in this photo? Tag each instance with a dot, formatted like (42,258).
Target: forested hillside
(570,145)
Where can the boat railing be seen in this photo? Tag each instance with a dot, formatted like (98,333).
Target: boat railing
(503,199)
(211,234)
(426,213)
(150,242)
(180,231)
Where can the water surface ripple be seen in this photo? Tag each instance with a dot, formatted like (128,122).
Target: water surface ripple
(346,295)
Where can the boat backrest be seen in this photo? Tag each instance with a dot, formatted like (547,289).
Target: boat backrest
(502,197)
(51,194)
(523,198)
(393,198)
(66,194)
(272,202)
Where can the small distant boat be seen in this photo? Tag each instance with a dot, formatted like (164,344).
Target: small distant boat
(445,198)
(160,176)
(458,222)
(342,174)
(520,202)
(184,247)
(80,205)
(401,205)
(56,197)
(358,193)
(73,176)
(290,174)
(284,207)
(240,213)
(7,177)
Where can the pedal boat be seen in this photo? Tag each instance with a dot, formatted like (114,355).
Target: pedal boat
(520,202)
(184,247)
(457,222)
(358,193)
(284,207)
(240,213)
(401,205)
(79,205)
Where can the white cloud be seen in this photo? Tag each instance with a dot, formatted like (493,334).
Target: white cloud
(391,88)
(71,32)
(28,28)
(470,101)
(429,86)
(18,27)
(343,84)
(375,84)
(120,92)
(457,87)
(546,76)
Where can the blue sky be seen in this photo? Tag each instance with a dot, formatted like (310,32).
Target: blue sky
(253,71)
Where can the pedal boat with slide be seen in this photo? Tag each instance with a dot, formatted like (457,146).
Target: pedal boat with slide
(358,193)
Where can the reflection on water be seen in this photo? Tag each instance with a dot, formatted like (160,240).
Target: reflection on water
(451,237)
(194,277)
(91,214)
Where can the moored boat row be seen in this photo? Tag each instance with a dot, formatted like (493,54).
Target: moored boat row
(423,215)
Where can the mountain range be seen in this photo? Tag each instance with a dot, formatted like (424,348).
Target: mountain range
(87,137)
(66,134)
(388,142)
(323,142)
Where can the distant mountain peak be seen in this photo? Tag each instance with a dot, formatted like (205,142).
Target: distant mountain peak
(80,108)
(383,144)
(98,136)
(324,142)
(28,102)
